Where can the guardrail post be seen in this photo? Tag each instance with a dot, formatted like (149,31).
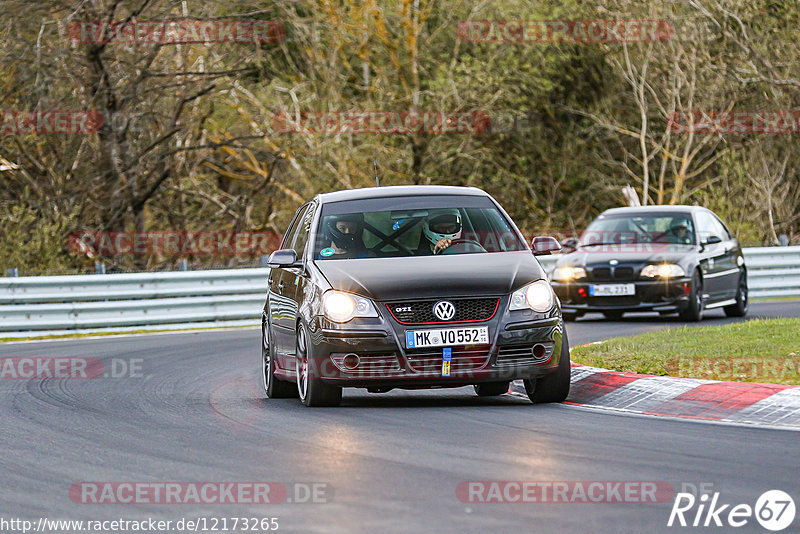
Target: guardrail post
(100,268)
(183,264)
(13,272)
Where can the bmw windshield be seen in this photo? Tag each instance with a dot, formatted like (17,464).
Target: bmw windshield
(671,228)
(413,226)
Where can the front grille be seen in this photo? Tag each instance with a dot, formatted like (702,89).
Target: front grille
(429,360)
(601,273)
(421,311)
(520,355)
(623,273)
(607,274)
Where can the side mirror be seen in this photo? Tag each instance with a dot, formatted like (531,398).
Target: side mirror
(282,258)
(569,243)
(544,246)
(712,239)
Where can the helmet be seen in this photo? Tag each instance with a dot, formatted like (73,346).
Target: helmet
(441,224)
(350,241)
(677,224)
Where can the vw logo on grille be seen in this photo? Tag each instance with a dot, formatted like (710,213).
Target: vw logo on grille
(444,310)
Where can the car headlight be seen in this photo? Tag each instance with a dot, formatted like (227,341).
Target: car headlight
(663,270)
(537,296)
(569,273)
(340,307)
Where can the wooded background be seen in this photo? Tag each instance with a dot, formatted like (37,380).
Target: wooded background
(188,142)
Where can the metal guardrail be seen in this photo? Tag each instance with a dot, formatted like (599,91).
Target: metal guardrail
(111,300)
(55,304)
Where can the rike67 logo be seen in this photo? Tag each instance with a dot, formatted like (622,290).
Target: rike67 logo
(774,510)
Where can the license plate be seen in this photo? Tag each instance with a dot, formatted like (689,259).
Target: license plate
(447,336)
(612,290)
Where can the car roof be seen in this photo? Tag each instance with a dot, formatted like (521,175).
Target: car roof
(654,209)
(398,191)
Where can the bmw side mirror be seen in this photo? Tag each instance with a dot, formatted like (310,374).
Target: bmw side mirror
(710,240)
(282,258)
(544,246)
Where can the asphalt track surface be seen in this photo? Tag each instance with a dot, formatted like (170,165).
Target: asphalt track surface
(392,462)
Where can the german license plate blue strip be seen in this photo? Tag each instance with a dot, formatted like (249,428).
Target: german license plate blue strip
(410,339)
(447,354)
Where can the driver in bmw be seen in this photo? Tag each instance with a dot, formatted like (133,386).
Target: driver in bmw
(440,229)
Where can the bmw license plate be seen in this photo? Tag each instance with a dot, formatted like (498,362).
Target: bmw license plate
(447,336)
(612,290)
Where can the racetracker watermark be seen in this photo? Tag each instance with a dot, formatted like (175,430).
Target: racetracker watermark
(71,367)
(558,492)
(183,31)
(49,122)
(570,31)
(205,492)
(736,369)
(383,122)
(173,243)
(785,121)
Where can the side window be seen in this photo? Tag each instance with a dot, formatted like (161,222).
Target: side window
(724,233)
(706,226)
(288,237)
(303,231)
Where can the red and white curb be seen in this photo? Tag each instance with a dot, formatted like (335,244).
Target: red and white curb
(686,398)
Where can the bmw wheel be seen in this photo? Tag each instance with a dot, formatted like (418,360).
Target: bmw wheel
(742,302)
(694,309)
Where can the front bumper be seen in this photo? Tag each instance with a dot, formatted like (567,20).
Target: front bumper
(665,296)
(385,362)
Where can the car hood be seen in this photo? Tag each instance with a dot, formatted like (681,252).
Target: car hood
(453,275)
(653,253)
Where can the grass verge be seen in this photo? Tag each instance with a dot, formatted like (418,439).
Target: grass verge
(761,350)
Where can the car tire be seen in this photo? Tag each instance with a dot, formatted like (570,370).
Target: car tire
(694,309)
(742,301)
(491,389)
(613,315)
(553,387)
(274,388)
(310,388)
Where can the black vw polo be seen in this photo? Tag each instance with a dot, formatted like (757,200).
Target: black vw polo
(410,287)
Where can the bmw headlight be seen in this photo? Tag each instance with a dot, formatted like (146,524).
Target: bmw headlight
(663,270)
(537,296)
(340,307)
(567,274)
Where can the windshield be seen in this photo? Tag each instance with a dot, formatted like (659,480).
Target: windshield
(618,229)
(413,226)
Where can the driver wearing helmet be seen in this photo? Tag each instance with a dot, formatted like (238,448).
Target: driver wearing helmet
(679,231)
(441,228)
(342,236)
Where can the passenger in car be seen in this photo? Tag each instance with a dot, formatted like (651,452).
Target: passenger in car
(343,235)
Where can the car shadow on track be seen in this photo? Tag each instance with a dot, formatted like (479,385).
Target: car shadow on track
(403,399)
